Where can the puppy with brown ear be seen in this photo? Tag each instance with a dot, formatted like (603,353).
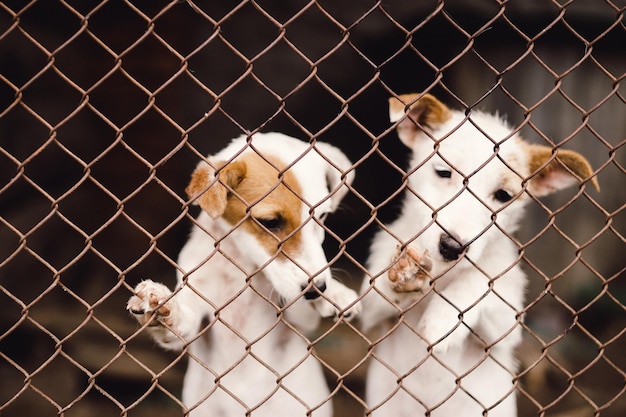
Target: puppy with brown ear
(253,278)
(448,267)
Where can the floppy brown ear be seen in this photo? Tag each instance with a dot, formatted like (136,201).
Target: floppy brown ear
(550,173)
(425,112)
(211,193)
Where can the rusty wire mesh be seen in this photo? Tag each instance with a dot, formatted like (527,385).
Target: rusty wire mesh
(107,105)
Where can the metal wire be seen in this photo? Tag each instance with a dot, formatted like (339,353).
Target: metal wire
(106,106)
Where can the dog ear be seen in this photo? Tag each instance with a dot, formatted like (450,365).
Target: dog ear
(211,192)
(550,173)
(338,176)
(425,112)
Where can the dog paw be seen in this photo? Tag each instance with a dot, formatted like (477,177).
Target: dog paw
(151,304)
(338,301)
(409,272)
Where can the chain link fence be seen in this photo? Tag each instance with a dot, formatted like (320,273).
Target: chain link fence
(106,106)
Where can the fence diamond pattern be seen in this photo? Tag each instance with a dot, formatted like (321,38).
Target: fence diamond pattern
(106,106)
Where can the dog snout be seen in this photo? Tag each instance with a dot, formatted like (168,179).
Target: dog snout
(314,290)
(450,247)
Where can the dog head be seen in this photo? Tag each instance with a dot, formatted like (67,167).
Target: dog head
(472,175)
(271,194)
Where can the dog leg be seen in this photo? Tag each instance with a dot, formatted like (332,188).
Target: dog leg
(441,325)
(453,310)
(443,328)
(337,301)
(393,287)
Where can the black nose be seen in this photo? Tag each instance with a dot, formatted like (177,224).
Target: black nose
(450,247)
(314,291)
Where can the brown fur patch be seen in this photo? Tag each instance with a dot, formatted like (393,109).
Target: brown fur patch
(261,194)
(427,111)
(211,194)
(575,162)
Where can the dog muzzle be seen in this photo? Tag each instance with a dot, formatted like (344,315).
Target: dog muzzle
(313,290)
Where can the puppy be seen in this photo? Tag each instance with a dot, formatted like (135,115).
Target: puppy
(253,279)
(448,267)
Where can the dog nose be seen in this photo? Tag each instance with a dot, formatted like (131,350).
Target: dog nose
(450,247)
(314,291)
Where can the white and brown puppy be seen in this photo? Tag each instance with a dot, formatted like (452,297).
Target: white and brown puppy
(253,278)
(449,267)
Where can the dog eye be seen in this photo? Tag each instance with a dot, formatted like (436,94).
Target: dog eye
(443,173)
(273,224)
(502,195)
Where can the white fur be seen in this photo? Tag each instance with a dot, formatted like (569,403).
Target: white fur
(244,354)
(469,311)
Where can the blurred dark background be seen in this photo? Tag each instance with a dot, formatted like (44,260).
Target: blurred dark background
(106,107)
